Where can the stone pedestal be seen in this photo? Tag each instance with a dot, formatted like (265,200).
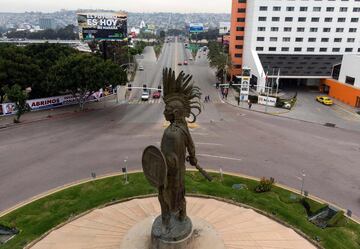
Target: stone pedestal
(176,235)
(202,236)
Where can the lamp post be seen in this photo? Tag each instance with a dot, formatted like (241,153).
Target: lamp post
(125,171)
(302,181)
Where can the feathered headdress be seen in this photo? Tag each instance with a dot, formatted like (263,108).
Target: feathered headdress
(182,90)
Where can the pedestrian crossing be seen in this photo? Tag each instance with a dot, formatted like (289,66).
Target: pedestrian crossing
(160,101)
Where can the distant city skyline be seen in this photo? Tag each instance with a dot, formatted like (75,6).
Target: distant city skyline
(183,6)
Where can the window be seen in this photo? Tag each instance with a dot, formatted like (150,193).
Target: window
(302,19)
(312,39)
(273,39)
(313,29)
(336,49)
(286,39)
(287,29)
(259,49)
(260,38)
(239,38)
(288,19)
(303,8)
(356,9)
(339,30)
(297,49)
(350,40)
(272,48)
(341,19)
(323,49)
(315,19)
(352,30)
(348,49)
(238,46)
(276,8)
(324,39)
(343,9)
(317,9)
(275,29)
(299,39)
(326,29)
(241,20)
(261,28)
(285,49)
(337,39)
(240,28)
(238,55)
(262,18)
(263,8)
(241,10)
(328,19)
(310,49)
(290,8)
(275,19)
(350,80)
(300,29)
(354,19)
(330,9)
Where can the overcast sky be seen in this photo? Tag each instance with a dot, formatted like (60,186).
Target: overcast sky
(183,6)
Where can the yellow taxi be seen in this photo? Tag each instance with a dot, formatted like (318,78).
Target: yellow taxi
(324,100)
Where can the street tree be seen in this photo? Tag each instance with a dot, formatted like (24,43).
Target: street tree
(17,95)
(83,74)
(219,60)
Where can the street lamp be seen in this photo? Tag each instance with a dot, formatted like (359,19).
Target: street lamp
(302,181)
(124,170)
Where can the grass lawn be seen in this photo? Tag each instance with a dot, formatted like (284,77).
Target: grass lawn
(38,217)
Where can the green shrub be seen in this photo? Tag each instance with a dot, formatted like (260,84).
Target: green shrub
(312,207)
(337,220)
(265,185)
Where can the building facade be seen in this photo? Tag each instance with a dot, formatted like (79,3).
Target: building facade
(300,39)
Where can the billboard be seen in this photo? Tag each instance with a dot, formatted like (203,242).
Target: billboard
(224,28)
(196,28)
(102,26)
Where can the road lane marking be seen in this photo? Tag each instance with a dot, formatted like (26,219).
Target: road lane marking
(212,144)
(220,157)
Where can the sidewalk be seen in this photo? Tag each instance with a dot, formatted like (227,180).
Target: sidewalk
(255,107)
(60,112)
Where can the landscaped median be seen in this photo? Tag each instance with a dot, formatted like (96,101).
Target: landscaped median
(37,218)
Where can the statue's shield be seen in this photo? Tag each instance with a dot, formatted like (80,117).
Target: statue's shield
(154,166)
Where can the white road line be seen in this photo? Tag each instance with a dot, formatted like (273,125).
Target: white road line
(221,157)
(211,144)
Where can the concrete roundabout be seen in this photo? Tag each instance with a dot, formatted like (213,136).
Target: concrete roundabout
(108,213)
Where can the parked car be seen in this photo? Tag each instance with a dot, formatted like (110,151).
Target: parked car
(185,63)
(141,68)
(156,95)
(324,100)
(145,95)
(179,63)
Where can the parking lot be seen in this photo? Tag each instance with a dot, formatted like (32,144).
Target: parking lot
(308,109)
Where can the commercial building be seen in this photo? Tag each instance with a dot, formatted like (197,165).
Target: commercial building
(46,23)
(345,84)
(302,40)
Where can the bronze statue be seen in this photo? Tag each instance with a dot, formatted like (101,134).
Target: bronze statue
(166,169)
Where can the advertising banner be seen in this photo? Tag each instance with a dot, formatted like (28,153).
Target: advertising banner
(263,100)
(245,88)
(196,27)
(224,28)
(102,26)
(48,103)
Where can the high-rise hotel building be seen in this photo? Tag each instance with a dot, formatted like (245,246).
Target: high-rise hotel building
(303,39)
